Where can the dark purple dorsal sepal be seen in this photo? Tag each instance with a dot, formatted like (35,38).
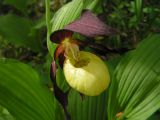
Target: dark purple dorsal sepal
(90,25)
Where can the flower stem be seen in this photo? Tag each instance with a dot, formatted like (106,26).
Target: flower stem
(48,21)
(48,17)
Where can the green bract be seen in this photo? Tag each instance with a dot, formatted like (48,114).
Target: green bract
(89,75)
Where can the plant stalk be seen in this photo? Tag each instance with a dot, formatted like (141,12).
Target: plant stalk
(48,18)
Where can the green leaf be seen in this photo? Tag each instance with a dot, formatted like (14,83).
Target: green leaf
(22,93)
(17,30)
(135,87)
(19,4)
(90,4)
(67,14)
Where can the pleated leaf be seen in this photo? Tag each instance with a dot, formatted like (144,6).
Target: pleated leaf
(90,4)
(134,93)
(90,108)
(22,93)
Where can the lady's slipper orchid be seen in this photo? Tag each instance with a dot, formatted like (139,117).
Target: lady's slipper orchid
(84,71)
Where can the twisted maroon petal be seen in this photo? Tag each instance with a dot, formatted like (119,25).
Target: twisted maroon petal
(59,94)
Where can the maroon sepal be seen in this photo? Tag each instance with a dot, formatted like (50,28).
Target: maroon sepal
(59,35)
(90,25)
(59,94)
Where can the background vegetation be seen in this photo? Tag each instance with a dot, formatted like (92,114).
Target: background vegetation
(24,43)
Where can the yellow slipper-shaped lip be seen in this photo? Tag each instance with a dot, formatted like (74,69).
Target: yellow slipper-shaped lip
(89,75)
